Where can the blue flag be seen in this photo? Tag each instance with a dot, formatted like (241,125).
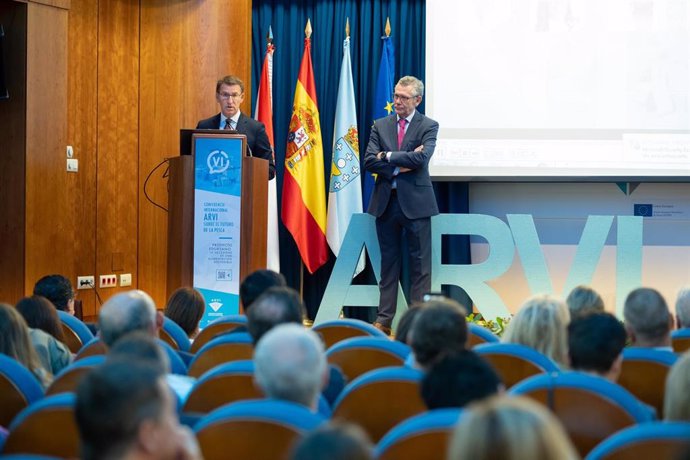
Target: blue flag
(383,100)
(345,191)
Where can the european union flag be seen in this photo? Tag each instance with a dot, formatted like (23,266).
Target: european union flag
(644,210)
(383,100)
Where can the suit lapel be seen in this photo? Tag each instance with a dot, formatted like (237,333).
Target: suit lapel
(410,133)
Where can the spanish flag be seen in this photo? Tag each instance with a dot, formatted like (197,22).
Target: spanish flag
(304,190)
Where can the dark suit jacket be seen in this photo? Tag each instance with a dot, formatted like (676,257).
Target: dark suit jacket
(415,193)
(257,140)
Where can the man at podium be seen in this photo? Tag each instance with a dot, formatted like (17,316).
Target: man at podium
(230,94)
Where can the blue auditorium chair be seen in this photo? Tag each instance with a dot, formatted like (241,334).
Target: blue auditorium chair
(426,435)
(46,427)
(514,362)
(174,335)
(644,374)
(680,340)
(18,389)
(223,349)
(68,379)
(358,355)
(334,331)
(216,327)
(380,399)
(75,331)
(591,408)
(260,429)
(648,440)
(478,335)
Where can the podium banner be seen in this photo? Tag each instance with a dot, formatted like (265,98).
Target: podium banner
(217,206)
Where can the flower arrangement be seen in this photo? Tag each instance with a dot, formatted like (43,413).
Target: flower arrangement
(497,326)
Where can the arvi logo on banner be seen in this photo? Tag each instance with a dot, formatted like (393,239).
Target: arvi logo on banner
(218,162)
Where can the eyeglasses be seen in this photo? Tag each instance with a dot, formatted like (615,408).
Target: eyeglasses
(226,96)
(402,98)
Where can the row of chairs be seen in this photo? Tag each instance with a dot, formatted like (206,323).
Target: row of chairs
(644,371)
(386,403)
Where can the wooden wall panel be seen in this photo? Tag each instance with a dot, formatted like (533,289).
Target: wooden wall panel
(185,48)
(117,139)
(82,99)
(12,152)
(50,190)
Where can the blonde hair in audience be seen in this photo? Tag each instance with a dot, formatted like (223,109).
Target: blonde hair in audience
(16,343)
(510,428)
(541,323)
(677,396)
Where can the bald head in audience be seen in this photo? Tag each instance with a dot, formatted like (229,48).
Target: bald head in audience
(128,312)
(290,364)
(648,319)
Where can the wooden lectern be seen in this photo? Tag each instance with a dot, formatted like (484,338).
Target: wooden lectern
(253,220)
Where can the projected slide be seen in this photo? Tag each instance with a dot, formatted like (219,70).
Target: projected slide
(553,88)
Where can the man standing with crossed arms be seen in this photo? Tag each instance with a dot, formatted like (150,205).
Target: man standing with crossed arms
(403,201)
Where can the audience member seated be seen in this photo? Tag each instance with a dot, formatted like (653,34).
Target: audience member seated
(402,333)
(683,309)
(541,323)
(440,328)
(16,343)
(510,428)
(278,305)
(58,290)
(125,410)
(583,300)
(256,283)
(677,394)
(648,319)
(186,307)
(46,333)
(458,379)
(595,345)
(135,311)
(334,441)
(290,364)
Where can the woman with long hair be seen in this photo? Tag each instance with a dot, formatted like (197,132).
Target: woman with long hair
(15,343)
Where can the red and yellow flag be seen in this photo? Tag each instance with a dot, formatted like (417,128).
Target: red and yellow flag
(304,190)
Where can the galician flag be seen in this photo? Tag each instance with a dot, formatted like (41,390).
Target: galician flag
(383,96)
(304,202)
(345,191)
(264,113)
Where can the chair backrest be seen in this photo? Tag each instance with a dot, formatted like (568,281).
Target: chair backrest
(426,435)
(261,429)
(177,365)
(92,348)
(336,330)
(229,347)
(226,383)
(515,362)
(18,388)
(46,427)
(172,334)
(648,440)
(218,326)
(591,408)
(680,340)
(644,374)
(68,379)
(380,399)
(478,335)
(359,355)
(76,332)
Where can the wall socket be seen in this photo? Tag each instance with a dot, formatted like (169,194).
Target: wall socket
(86,282)
(125,279)
(108,281)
